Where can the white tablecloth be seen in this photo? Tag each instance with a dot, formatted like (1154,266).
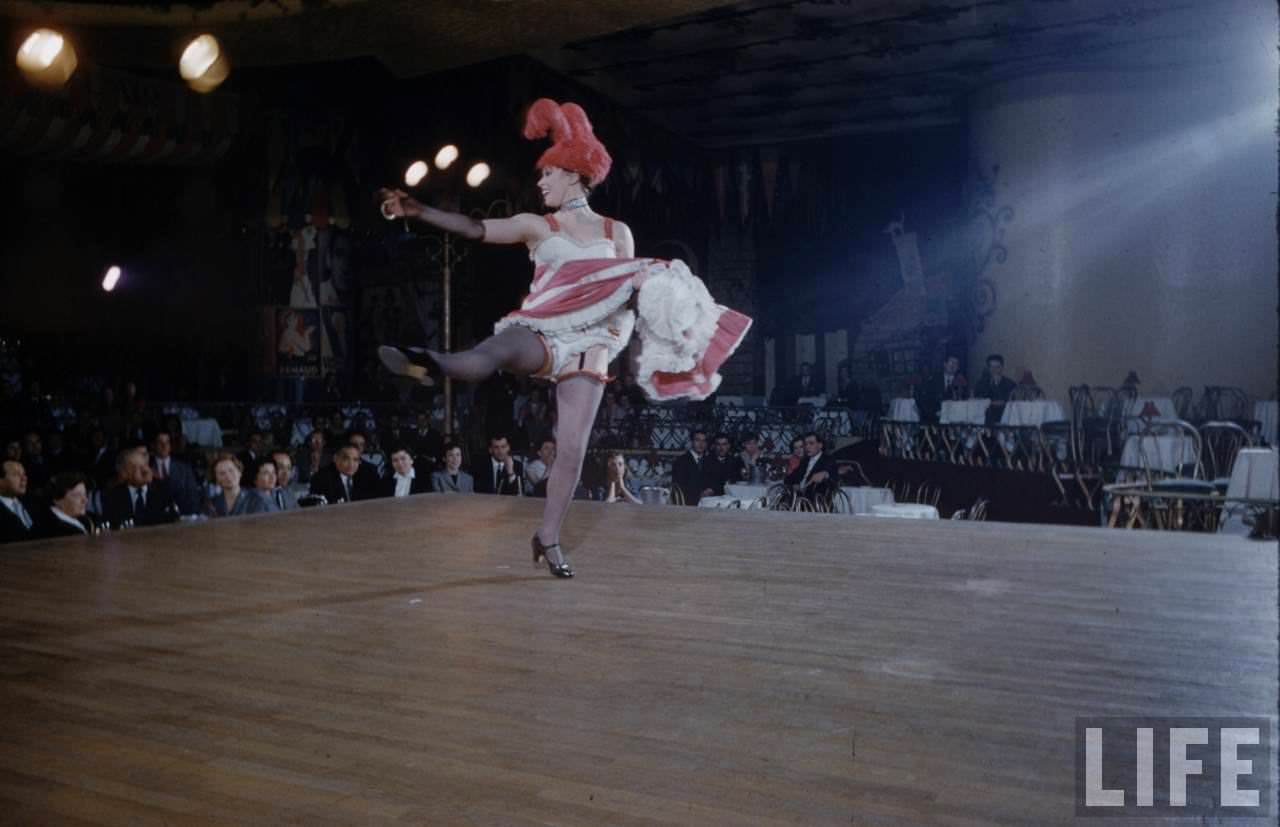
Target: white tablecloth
(964,412)
(1165,453)
(863,498)
(1032,413)
(1163,405)
(728,501)
(910,511)
(745,491)
(1255,475)
(1267,412)
(903,409)
(204,432)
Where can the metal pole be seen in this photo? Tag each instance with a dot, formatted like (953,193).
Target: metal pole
(448,335)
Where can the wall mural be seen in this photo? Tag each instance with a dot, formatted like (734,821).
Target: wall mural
(987,223)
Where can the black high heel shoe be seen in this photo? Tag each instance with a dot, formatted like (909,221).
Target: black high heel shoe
(413,362)
(540,553)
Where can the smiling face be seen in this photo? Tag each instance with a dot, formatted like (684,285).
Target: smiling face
(453,459)
(266,479)
(402,462)
(558,186)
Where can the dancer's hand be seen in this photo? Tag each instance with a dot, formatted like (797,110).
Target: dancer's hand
(396,203)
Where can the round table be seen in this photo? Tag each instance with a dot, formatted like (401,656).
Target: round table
(1035,412)
(862,499)
(908,511)
(964,411)
(903,409)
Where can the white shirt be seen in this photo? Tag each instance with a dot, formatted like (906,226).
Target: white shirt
(346,486)
(162,465)
(535,470)
(499,473)
(15,505)
(813,460)
(68,519)
(404,483)
(133,497)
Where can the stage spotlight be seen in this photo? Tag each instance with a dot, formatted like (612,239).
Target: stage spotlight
(46,58)
(446,156)
(111,278)
(203,64)
(477,174)
(415,173)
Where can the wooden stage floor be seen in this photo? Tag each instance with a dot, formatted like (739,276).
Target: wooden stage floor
(400,662)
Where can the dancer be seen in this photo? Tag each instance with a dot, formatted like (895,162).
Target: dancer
(589,295)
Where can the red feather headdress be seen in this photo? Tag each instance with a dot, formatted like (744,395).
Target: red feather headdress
(574,145)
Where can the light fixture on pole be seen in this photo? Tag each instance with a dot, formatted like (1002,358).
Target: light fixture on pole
(46,59)
(203,64)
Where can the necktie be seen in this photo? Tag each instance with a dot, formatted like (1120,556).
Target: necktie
(280,499)
(161,468)
(139,503)
(497,480)
(346,485)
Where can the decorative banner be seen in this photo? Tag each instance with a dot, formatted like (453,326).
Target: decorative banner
(298,342)
(109,115)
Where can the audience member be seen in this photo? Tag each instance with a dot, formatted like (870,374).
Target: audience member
(255,450)
(501,473)
(817,475)
(16,522)
(802,385)
(688,472)
(33,460)
(137,499)
(948,386)
(286,499)
(427,443)
(753,465)
(338,482)
(797,457)
(536,469)
(314,456)
(619,489)
(67,514)
(188,493)
(722,467)
(264,487)
(997,387)
(367,476)
(231,500)
(452,480)
(403,479)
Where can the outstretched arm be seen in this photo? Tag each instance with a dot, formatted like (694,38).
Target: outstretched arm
(523,228)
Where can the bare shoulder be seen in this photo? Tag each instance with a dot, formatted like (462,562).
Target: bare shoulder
(623,239)
(524,227)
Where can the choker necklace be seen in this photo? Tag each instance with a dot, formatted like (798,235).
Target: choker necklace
(578,203)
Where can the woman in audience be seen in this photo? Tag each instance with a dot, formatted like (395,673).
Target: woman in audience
(66,517)
(797,454)
(313,456)
(452,480)
(264,486)
(231,500)
(619,489)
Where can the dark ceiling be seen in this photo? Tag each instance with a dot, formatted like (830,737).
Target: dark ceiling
(719,75)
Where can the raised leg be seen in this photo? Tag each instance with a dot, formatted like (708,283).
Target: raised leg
(516,350)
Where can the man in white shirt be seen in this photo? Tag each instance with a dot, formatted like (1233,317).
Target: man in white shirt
(15,520)
(817,473)
(536,470)
(404,479)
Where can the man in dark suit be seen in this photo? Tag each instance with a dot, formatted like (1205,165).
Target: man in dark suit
(338,483)
(947,386)
(283,495)
(404,480)
(188,494)
(817,474)
(723,466)
(16,520)
(997,387)
(499,472)
(367,477)
(688,472)
(800,386)
(138,497)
